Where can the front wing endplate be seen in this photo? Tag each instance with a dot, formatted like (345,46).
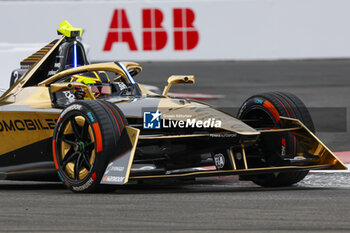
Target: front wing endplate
(118,169)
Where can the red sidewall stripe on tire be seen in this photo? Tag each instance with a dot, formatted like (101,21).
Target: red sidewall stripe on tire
(54,153)
(282,105)
(289,107)
(295,144)
(294,138)
(267,104)
(121,119)
(279,99)
(98,136)
(114,119)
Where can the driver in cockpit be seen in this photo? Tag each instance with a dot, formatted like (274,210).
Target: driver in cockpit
(98,82)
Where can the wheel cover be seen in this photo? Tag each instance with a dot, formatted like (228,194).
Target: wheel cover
(266,120)
(77,147)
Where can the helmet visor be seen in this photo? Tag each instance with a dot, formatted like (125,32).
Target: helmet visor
(101,89)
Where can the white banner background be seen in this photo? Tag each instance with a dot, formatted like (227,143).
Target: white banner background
(228,30)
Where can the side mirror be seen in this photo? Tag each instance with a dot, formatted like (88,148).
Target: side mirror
(58,87)
(175,79)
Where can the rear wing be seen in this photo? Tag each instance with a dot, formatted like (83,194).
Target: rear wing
(37,56)
(33,63)
(47,61)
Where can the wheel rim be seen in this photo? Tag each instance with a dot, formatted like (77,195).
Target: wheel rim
(261,118)
(76,150)
(264,119)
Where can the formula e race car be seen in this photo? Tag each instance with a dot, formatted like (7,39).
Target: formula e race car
(93,127)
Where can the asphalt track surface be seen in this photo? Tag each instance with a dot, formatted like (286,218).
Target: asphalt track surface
(320,203)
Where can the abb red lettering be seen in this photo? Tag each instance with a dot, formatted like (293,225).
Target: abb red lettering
(119,31)
(154,35)
(186,36)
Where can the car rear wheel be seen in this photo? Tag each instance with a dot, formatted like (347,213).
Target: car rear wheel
(86,135)
(263,111)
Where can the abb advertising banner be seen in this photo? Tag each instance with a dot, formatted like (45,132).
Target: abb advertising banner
(154,34)
(156,30)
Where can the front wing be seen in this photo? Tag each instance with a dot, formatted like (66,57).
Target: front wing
(119,169)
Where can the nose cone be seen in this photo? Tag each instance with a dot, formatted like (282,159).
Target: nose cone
(183,110)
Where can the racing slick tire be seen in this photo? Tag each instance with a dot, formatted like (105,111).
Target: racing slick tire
(85,137)
(268,107)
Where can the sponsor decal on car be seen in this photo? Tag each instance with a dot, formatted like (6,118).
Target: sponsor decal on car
(228,135)
(117,179)
(27,124)
(111,168)
(70,96)
(117,171)
(219,160)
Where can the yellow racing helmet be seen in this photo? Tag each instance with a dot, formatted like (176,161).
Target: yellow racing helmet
(98,82)
(91,78)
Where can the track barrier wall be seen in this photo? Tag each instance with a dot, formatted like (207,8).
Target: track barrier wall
(194,30)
